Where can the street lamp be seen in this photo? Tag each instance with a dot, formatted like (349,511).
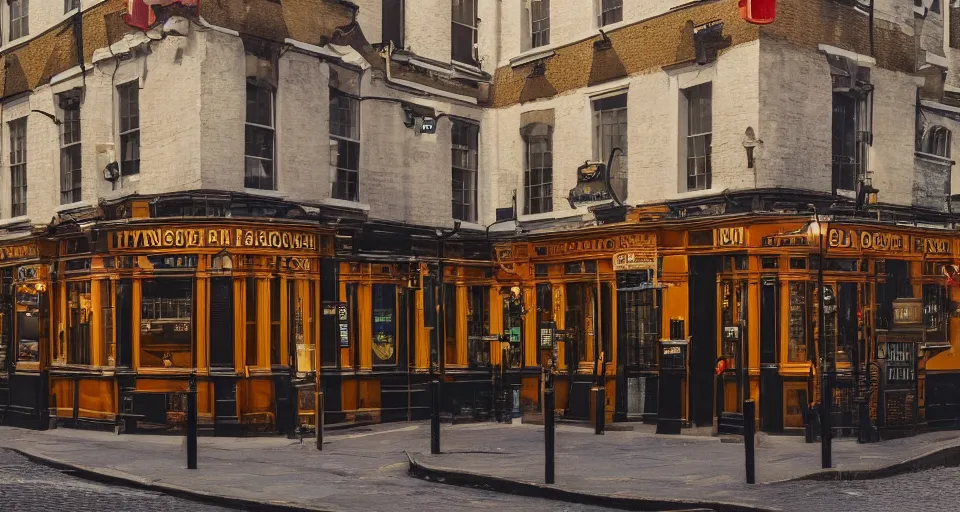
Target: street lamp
(815,232)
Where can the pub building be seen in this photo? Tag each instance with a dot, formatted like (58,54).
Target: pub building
(414,308)
(110,312)
(741,289)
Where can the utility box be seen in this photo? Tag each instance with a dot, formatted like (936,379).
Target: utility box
(674,362)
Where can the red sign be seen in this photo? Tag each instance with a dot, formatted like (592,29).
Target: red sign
(140,12)
(758,12)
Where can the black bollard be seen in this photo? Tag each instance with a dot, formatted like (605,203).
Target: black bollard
(749,428)
(549,434)
(318,418)
(601,410)
(192,423)
(435,417)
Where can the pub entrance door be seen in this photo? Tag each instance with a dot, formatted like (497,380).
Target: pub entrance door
(581,320)
(638,319)
(703,333)
(771,384)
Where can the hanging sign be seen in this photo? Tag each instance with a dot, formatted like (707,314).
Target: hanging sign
(635,260)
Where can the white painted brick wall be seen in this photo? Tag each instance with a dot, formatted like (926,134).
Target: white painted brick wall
(795,106)
(654,100)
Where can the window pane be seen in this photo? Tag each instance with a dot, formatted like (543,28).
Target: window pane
(464,11)
(275,356)
(478,325)
(463,39)
(251,321)
(79,314)
(166,323)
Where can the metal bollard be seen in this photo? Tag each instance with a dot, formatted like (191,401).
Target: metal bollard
(749,429)
(318,418)
(601,411)
(435,417)
(549,434)
(192,423)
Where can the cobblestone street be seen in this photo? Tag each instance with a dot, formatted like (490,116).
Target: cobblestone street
(29,487)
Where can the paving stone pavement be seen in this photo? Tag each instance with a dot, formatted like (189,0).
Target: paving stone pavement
(357,470)
(366,469)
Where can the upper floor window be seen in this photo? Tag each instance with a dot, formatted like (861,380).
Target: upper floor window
(937,141)
(259,171)
(463,38)
(392,26)
(539,12)
(345,145)
(18,167)
(538,172)
(699,128)
(69,5)
(852,132)
(129,128)
(70,168)
(466,142)
(609,133)
(19,18)
(609,12)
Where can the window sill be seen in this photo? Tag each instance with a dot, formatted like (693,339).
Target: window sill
(23,219)
(933,158)
(343,203)
(532,55)
(73,206)
(557,214)
(264,192)
(164,371)
(22,366)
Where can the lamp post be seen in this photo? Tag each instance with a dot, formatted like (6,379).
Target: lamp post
(826,369)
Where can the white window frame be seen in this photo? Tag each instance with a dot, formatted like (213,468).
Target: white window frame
(531,33)
(335,140)
(545,133)
(473,28)
(75,192)
(273,150)
(24,19)
(687,137)
(121,133)
(598,5)
(474,213)
(18,165)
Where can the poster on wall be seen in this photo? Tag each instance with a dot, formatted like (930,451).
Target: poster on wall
(384,342)
(343,325)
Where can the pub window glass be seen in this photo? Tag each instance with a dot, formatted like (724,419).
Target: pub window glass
(581,318)
(166,323)
(29,326)
(384,324)
(513,328)
(641,315)
(799,304)
(478,324)
(79,314)
(830,319)
(106,316)
(934,311)
(251,322)
(544,314)
(450,355)
(275,357)
(301,317)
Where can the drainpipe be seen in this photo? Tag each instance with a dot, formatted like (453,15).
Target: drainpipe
(870,19)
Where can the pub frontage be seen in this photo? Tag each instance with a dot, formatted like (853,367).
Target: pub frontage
(108,314)
(739,292)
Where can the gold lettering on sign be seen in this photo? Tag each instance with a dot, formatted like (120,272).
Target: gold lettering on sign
(728,237)
(15,252)
(195,237)
(609,244)
(931,245)
(866,240)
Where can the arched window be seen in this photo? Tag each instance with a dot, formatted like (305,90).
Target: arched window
(538,169)
(937,141)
